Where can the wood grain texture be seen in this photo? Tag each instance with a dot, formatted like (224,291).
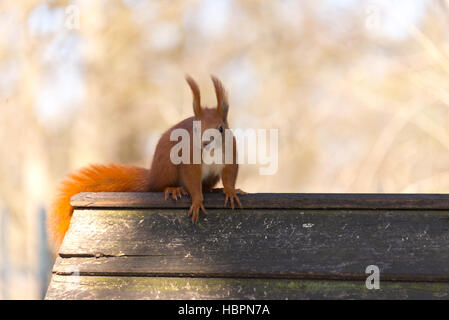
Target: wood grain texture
(281,246)
(94,287)
(269,201)
(320,244)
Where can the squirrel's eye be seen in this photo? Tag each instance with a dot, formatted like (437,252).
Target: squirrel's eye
(220,129)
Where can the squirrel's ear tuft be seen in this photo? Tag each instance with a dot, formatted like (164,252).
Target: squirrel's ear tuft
(222,98)
(196,96)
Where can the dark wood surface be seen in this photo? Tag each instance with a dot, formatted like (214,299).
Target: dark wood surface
(137,245)
(330,244)
(269,201)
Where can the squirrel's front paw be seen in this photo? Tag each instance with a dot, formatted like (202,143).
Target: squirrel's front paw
(240,191)
(231,196)
(194,210)
(175,192)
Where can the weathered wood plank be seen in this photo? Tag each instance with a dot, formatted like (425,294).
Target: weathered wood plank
(269,201)
(88,287)
(328,244)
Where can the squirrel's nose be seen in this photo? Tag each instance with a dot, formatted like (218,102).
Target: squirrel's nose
(205,143)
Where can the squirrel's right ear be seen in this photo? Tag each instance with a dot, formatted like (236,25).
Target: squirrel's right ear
(196,96)
(222,98)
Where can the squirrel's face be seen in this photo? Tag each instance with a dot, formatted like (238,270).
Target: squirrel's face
(211,118)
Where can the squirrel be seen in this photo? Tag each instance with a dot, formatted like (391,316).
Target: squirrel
(163,176)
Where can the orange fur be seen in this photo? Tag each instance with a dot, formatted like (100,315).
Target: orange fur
(164,175)
(94,178)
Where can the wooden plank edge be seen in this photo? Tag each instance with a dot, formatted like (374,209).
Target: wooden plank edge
(71,287)
(366,201)
(259,275)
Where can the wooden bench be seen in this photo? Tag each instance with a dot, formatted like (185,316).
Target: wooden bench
(280,246)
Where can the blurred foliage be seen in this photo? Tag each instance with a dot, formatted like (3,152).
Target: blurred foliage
(357,89)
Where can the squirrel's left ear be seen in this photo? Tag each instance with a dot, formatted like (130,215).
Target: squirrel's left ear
(222,98)
(197,110)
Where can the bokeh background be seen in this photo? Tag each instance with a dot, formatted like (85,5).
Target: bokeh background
(357,89)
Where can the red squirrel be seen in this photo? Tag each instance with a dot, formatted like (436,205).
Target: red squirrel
(163,176)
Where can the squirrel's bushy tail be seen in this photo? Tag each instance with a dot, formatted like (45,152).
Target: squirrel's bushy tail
(94,178)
